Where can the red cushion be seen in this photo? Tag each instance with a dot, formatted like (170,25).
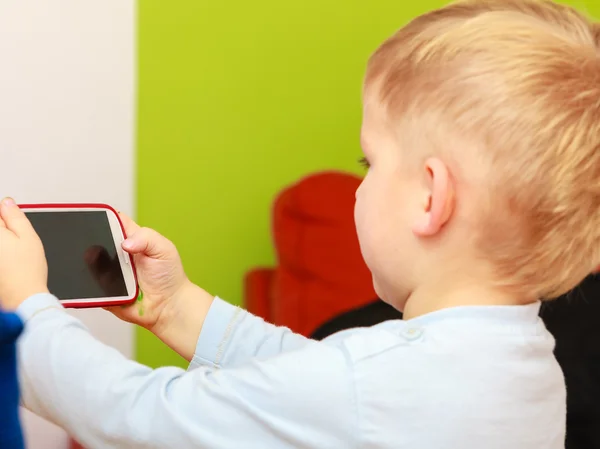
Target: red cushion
(320,270)
(257,292)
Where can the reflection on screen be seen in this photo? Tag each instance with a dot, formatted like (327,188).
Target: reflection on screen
(82,258)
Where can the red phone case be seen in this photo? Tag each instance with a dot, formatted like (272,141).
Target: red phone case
(90,304)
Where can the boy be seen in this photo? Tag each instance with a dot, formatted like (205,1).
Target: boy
(481,130)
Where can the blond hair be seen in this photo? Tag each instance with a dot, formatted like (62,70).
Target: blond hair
(520,80)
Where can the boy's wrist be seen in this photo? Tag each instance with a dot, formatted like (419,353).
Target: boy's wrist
(180,322)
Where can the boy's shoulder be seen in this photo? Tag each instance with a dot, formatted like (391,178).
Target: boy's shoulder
(368,342)
(459,330)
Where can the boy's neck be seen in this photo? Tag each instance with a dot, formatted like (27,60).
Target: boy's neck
(431,298)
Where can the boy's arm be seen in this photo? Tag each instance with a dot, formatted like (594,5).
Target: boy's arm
(299,399)
(231,336)
(199,327)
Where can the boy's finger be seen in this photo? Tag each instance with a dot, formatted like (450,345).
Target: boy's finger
(146,241)
(130,226)
(14,218)
(2,225)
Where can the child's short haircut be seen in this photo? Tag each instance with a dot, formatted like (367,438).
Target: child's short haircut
(515,86)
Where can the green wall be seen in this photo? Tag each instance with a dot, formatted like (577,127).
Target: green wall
(236,100)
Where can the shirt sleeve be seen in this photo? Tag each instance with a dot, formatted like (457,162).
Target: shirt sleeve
(301,398)
(231,337)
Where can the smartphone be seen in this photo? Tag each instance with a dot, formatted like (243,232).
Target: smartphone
(87,266)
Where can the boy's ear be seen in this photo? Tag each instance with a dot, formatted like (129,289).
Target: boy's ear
(440,202)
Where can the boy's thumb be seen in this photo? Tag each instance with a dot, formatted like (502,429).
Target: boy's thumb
(14,218)
(132,245)
(146,241)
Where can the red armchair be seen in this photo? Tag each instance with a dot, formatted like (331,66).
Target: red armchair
(320,272)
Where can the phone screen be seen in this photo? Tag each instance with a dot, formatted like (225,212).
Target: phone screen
(82,258)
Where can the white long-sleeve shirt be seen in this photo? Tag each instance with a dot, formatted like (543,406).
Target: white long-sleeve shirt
(461,378)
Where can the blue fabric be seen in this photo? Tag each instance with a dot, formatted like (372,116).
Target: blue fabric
(11,435)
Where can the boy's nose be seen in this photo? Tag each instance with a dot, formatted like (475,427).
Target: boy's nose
(358,190)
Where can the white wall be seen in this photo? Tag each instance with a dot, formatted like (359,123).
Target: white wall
(67,70)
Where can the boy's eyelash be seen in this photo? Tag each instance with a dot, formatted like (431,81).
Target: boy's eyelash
(364,162)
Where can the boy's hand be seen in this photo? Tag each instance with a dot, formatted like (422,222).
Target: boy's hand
(170,306)
(23,267)
(159,270)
